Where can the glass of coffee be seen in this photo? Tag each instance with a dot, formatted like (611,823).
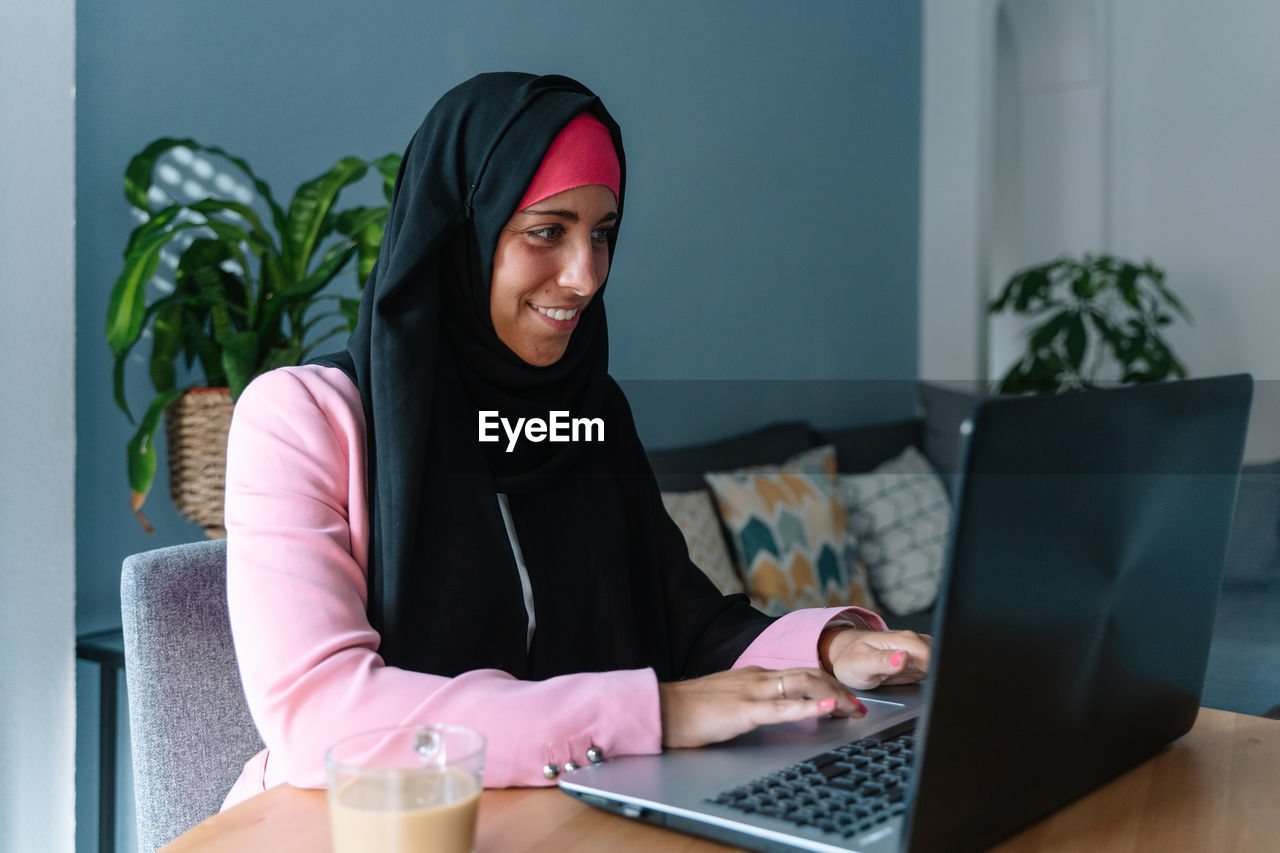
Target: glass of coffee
(410,788)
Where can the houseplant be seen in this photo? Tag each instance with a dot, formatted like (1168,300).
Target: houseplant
(1093,319)
(247,295)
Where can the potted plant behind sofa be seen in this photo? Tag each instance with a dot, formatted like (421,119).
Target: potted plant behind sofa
(1093,319)
(243,302)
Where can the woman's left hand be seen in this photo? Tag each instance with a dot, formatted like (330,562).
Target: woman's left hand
(862,660)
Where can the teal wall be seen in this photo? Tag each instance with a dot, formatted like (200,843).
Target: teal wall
(772,210)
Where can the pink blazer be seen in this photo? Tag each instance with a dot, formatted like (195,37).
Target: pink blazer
(297,541)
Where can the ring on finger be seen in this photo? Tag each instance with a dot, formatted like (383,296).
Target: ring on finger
(782,689)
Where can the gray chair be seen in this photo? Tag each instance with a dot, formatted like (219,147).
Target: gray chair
(188,720)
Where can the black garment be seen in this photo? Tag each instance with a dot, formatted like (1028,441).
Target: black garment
(612,582)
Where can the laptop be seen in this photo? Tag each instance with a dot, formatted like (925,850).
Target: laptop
(1071,632)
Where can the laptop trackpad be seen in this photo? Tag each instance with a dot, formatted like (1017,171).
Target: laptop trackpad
(688,775)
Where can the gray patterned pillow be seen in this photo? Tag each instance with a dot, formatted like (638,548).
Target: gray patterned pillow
(899,515)
(695,515)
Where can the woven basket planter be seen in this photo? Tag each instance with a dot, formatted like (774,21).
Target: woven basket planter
(196,426)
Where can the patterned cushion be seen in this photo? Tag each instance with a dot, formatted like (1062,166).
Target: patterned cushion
(695,515)
(899,515)
(787,529)
(818,461)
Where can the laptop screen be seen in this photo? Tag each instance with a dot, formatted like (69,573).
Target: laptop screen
(1085,564)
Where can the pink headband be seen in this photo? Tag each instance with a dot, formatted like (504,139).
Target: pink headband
(581,154)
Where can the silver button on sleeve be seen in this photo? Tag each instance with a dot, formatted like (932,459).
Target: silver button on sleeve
(570,766)
(551,771)
(595,754)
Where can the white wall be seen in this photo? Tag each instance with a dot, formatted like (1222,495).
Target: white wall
(1196,178)
(37,426)
(956,169)
(1050,145)
(1148,128)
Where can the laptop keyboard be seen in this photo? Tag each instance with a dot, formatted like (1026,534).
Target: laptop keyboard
(846,791)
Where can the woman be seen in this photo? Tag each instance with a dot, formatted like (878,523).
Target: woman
(385,566)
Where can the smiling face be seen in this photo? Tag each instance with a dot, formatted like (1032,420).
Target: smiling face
(550,260)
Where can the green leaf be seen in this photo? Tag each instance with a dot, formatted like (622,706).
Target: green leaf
(1043,337)
(272,280)
(1082,284)
(200,268)
(1127,284)
(206,349)
(1077,340)
(1115,340)
(368,245)
(240,360)
(1159,358)
(117,382)
(142,451)
(1035,288)
(234,237)
(1012,382)
(307,211)
(159,222)
(127,307)
(128,296)
(354,220)
(1174,301)
(138,174)
(270,323)
(264,191)
(998,304)
(1030,290)
(281,357)
(335,259)
(257,237)
(239,305)
(351,310)
(166,343)
(327,225)
(1020,379)
(345,249)
(1109,333)
(122,358)
(365,225)
(389,167)
(1043,375)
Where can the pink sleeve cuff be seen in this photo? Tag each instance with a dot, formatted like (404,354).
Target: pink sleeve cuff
(529,725)
(792,640)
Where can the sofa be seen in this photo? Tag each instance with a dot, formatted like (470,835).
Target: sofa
(1244,660)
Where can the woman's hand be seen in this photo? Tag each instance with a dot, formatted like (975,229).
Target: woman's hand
(726,704)
(866,659)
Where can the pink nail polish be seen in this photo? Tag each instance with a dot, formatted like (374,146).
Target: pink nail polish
(857,703)
(827,704)
(896,660)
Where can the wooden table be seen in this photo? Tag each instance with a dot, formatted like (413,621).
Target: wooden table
(1217,788)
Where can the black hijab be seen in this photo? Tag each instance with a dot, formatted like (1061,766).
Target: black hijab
(612,584)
